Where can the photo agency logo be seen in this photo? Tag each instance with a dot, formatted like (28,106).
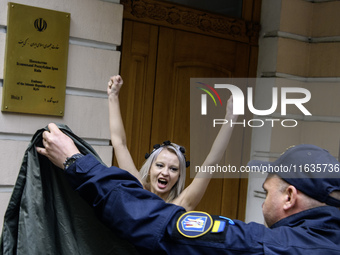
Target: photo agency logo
(204,97)
(295,96)
(275,103)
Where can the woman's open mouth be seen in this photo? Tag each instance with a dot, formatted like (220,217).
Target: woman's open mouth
(162,183)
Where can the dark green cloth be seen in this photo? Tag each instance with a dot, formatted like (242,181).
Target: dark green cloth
(45,216)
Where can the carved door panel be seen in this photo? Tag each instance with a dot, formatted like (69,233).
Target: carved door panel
(138,65)
(157,64)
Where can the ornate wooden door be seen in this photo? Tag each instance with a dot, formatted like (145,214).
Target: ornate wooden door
(160,54)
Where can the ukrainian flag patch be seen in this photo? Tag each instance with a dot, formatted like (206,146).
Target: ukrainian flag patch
(219,226)
(194,224)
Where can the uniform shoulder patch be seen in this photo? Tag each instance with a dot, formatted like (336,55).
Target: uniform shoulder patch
(194,224)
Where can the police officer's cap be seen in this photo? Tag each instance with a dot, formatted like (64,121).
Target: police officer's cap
(309,168)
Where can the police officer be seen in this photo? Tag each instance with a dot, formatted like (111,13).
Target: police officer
(301,206)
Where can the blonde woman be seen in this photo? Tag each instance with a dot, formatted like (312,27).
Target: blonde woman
(163,173)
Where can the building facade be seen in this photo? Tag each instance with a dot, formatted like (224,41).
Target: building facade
(299,43)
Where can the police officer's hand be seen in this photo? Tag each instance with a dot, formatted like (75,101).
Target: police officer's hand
(57,146)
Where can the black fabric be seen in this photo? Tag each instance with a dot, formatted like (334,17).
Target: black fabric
(45,216)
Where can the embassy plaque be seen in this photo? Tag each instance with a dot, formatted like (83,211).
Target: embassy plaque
(35,60)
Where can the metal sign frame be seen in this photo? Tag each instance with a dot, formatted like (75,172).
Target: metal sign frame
(36,59)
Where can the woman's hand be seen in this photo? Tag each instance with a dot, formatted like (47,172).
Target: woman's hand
(229,112)
(114,85)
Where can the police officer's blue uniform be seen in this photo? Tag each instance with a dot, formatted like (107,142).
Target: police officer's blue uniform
(156,227)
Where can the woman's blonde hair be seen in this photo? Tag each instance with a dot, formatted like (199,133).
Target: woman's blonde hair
(145,169)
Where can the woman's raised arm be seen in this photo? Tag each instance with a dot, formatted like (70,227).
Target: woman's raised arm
(192,195)
(117,132)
